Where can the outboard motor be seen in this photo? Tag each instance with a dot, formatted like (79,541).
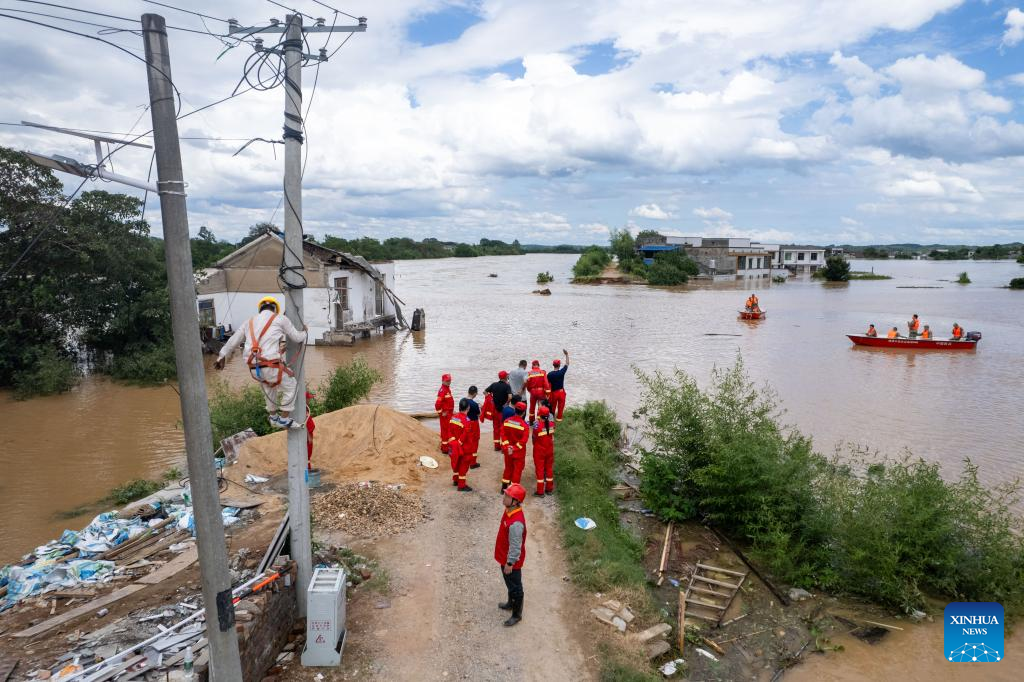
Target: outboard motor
(973,336)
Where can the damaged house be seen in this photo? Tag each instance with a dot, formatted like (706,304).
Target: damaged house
(345,297)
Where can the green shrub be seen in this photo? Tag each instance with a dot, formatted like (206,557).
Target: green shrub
(147,365)
(346,385)
(232,411)
(779,279)
(1017,283)
(886,530)
(1020,259)
(963,278)
(48,372)
(544,278)
(133,490)
(591,263)
(671,268)
(836,269)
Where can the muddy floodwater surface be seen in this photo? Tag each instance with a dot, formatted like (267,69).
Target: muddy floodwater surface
(61,452)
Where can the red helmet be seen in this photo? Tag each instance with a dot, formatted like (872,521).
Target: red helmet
(543,411)
(516,492)
(446,377)
(556,362)
(520,406)
(503,374)
(536,363)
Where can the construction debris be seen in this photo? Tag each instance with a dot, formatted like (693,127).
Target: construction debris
(368,509)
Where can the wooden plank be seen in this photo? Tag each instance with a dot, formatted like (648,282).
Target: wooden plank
(682,621)
(706,604)
(713,619)
(7,668)
(701,578)
(171,568)
(666,549)
(147,552)
(738,574)
(85,609)
(723,595)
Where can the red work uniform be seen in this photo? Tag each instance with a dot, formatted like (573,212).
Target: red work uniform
(515,433)
(544,454)
(556,382)
(444,406)
(488,413)
(501,542)
(458,436)
(537,385)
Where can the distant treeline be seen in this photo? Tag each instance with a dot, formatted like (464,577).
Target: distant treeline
(939,252)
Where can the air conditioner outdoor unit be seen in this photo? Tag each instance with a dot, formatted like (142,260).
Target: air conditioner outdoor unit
(325,618)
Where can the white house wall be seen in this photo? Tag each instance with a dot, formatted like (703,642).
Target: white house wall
(234,309)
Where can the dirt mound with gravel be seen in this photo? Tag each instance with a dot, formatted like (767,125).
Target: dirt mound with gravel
(367,510)
(358,443)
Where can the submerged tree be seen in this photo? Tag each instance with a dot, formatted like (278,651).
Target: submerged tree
(836,269)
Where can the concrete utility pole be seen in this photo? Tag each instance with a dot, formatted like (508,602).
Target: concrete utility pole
(298,490)
(225,665)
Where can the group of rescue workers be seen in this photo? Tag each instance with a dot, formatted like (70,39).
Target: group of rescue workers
(915,331)
(265,337)
(752,304)
(514,423)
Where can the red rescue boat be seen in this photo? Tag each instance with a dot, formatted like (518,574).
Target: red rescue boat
(753,315)
(969,342)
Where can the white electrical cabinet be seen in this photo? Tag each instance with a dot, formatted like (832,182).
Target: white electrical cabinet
(325,618)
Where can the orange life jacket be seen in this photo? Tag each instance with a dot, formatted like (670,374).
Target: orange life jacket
(958,332)
(871,332)
(893,333)
(257,362)
(926,334)
(914,324)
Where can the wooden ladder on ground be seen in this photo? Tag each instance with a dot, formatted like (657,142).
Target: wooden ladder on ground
(708,597)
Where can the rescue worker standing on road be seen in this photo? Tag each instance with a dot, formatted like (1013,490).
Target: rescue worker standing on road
(537,385)
(517,379)
(473,415)
(459,436)
(498,393)
(544,452)
(515,434)
(510,550)
(556,380)
(265,337)
(445,406)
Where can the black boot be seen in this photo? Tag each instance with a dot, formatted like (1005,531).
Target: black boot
(505,605)
(517,613)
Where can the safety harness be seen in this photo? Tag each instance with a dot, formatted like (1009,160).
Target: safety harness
(257,362)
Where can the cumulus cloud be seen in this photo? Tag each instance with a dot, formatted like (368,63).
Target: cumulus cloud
(923,74)
(1014,27)
(652,211)
(713,213)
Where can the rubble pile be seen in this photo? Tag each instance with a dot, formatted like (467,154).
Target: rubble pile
(368,509)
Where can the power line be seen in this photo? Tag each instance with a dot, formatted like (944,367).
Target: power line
(336,11)
(186,11)
(75,21)
(77,9)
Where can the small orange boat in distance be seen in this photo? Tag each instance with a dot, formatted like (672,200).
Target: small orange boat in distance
(753,314)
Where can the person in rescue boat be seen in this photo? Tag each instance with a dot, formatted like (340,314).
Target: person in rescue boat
(445,406)
(958,332)
(894,333)
(510,550)
(556,380)
(265,338)
(927,333)
(871,331)
(537,385)
(914,325)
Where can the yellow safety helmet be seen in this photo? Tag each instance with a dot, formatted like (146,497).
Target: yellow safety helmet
(269,299)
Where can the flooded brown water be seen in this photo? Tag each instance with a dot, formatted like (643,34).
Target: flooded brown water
(64,451)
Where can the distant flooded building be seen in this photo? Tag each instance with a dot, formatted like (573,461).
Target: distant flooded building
(798,258)
(716,256)
(345,296)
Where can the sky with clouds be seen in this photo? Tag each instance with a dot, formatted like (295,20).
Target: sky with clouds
(823,121)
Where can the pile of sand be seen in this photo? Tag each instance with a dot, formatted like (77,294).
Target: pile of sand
(359,443)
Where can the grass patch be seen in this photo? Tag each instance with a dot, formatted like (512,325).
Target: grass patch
(173,474)
(963,278)
(133,490)
(608,559)
(860,275)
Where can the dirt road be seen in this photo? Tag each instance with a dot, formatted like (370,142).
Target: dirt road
(440,620)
